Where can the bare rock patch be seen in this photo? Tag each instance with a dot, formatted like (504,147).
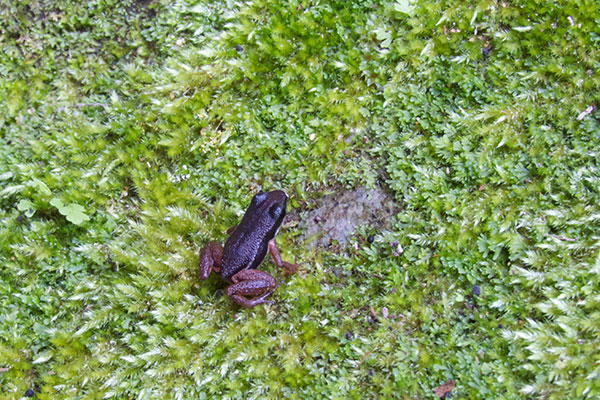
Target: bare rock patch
(339,215)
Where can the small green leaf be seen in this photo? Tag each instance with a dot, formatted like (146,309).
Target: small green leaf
(404,6)
(27,207)
(56,202)
(75,213)
(24,205)
(385,36)
(382,34)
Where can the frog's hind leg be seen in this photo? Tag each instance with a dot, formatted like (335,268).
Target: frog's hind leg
(251,282)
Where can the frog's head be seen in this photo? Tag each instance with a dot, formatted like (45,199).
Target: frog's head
(269,207)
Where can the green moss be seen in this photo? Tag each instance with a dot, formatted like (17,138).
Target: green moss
(157,121)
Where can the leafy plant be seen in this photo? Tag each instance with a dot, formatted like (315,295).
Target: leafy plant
(74,212)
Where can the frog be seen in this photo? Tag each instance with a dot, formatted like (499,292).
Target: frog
(245,249)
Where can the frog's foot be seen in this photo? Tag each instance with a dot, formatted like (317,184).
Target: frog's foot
(288,267)
(210,259)
(251,282)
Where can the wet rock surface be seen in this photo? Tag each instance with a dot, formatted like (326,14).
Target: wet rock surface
(339,215)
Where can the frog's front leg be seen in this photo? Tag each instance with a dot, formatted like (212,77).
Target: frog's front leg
(210,259)
(251,282)
(289,267)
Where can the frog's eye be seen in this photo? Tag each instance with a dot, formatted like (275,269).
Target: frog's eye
(275,211)
(259,198)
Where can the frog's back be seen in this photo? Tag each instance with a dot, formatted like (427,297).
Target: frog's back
(243,251)
(248,244)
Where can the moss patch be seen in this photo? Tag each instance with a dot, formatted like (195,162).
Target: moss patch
(134,132)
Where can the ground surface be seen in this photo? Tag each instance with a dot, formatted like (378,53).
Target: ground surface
(134,132)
